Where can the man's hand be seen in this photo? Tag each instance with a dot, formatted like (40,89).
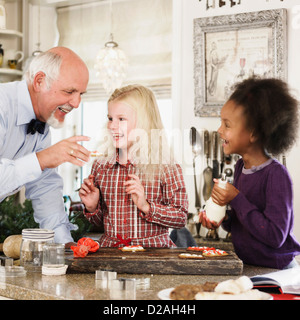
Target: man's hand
(67,150)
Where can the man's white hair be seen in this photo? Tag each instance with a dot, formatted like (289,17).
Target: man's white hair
(47,62)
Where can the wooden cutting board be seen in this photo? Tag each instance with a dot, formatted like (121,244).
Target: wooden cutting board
(153,261)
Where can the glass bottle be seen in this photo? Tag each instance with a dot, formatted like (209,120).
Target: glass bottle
(215,212)
(1,55)
(33,241)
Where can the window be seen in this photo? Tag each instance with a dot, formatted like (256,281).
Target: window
(94,118)
(147,42)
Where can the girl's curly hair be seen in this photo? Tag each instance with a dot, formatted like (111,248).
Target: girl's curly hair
(270,111)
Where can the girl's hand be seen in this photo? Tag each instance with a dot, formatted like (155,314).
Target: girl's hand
(89,194)
(136,190)
(223,196)
(206,223)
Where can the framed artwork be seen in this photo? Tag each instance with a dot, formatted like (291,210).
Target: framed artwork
(231,48)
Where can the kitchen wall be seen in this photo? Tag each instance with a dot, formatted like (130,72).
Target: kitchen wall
(47,25)
(183,86)
(183,83)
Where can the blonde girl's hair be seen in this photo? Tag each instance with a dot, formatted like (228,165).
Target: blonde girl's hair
(143,101)
(150,143)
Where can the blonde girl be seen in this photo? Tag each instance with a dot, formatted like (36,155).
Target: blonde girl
(137,191)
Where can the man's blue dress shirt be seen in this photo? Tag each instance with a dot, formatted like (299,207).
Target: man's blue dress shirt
(19,165)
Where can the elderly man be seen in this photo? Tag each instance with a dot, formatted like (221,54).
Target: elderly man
(54,84)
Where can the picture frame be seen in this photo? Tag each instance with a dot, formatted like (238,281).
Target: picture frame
(230,48)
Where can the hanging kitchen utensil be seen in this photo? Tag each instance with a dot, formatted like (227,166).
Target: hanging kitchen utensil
(228,158)
(228,237)
(195,142)
(207,172)
(228,172)
(284,160)
(222,158)
(215,144)
(212,235)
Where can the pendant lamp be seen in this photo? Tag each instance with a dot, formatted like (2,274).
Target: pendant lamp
(111,63)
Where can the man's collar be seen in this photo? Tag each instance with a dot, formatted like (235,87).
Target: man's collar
(25,108)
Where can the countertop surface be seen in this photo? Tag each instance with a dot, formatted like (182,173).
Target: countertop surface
(35,286)
(84,286)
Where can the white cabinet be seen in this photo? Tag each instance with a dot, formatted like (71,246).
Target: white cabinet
(12,38)
(9,37)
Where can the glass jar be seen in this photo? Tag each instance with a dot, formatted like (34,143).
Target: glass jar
(33,241)
(54,255)
(54,259)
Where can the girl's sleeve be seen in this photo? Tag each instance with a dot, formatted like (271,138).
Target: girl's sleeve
(96,217)
(172,211)
(273,224)
(226,224)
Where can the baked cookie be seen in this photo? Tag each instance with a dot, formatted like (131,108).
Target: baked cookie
(190,256)
(185,292)
(214,253)
(189,291)
(132,248)
(96,154)
(199,248)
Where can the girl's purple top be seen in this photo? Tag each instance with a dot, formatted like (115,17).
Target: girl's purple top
(261,218)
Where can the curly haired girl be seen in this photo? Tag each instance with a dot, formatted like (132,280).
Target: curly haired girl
(259,119)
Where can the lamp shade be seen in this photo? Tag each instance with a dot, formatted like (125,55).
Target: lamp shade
(111,65)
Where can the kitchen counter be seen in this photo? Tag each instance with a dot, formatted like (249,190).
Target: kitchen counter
(35,286)
(84,286)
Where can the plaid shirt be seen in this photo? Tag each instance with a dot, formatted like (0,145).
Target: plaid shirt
(124,223)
